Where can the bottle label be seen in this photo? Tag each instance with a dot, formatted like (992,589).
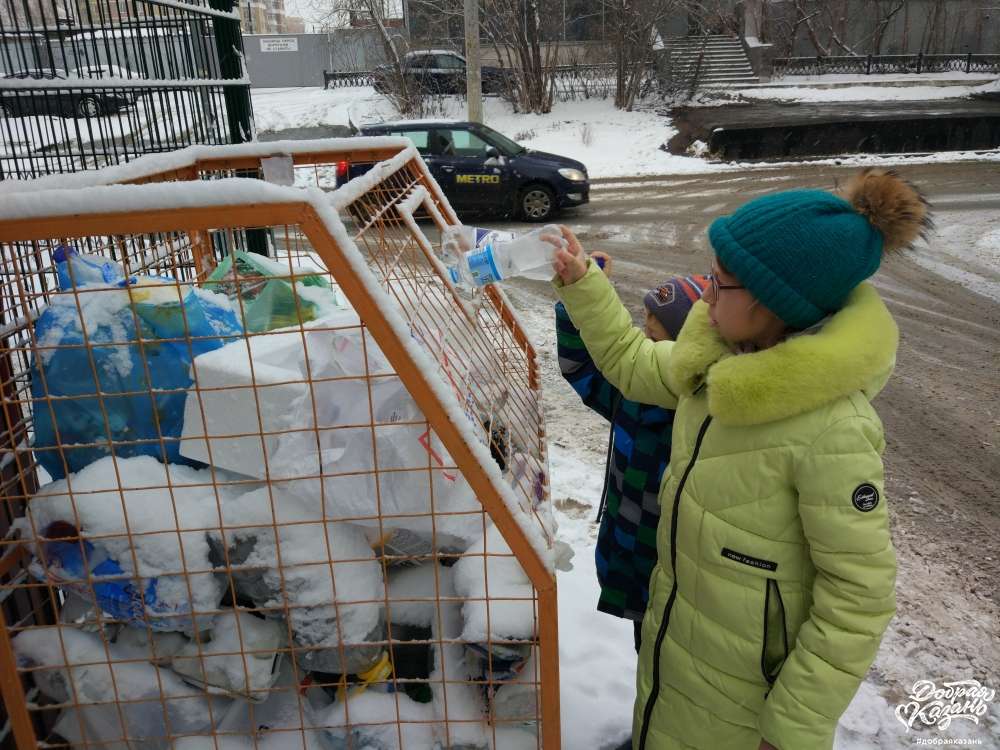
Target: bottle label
(482,266)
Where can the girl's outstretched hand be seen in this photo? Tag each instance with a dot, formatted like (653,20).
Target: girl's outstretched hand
(569,261)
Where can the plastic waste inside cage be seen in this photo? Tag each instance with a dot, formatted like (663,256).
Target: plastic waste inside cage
(307,505)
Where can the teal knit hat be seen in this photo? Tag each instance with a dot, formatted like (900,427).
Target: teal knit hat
(802,252)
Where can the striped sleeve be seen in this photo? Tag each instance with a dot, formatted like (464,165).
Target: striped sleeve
(579,370)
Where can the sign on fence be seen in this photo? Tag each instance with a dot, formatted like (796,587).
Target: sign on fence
(280,44)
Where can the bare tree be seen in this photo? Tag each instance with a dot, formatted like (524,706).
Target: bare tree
(399,89)
(940,25)
(513,28)
(635,32)
(885,15)
(828,19)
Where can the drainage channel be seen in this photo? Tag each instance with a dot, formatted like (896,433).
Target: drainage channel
(794,131)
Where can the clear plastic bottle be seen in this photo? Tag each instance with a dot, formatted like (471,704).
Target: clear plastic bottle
(496,258)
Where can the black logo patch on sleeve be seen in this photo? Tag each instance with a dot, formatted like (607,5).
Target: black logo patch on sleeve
(753,562)
(865,497)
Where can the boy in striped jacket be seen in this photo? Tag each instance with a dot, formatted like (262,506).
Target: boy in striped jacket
(638,452)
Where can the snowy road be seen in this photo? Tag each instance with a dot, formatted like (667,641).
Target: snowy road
(942,417)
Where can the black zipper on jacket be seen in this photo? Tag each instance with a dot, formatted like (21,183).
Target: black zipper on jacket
(654,690)
(784,629)
(615,403)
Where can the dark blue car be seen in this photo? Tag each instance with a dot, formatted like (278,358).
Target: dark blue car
(482,171)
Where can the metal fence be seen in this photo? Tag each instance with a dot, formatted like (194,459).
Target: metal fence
(345,79)
(569,82)
(92,82)
(873,64)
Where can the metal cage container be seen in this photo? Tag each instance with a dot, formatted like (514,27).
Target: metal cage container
(283,501)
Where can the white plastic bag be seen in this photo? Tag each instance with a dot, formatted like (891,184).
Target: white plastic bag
(237,656)
(152,703)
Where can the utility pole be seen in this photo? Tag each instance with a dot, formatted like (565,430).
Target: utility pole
(473,64)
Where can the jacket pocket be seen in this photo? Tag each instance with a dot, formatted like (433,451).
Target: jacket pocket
(774,644)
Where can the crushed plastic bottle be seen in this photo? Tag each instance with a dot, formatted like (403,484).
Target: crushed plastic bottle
(476,257)
(495,664)
(77,269)
(508,677)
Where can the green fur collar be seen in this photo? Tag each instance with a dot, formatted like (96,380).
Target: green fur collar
(854,350)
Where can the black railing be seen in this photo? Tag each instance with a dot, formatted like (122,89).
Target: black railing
(569,82)
(348,78)
(66,129)
(85,83)
(873,64)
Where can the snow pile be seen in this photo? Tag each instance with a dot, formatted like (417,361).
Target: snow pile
(489,569)
(860,92)
(165,510)
(284,108)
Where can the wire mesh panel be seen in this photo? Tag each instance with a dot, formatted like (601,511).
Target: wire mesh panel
(86,83)
(287,501)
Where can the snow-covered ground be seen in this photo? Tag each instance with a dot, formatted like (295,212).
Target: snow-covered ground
(609,141)
(811,90)
(885,78)
(967,251)
(612,143)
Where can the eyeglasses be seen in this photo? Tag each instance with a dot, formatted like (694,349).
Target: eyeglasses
(716,286)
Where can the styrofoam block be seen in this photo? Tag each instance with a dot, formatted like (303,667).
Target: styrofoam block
(254,404)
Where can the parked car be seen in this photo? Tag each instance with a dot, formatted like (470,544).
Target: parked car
(59,102)
(436,71)
(46,73)
(483,171)
(107,72)
(104,71)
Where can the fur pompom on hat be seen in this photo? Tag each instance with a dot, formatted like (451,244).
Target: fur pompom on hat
(892,205)
(801,252)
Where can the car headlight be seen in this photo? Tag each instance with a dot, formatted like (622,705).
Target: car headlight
(573,175)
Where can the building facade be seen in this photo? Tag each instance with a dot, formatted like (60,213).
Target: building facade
(265,17)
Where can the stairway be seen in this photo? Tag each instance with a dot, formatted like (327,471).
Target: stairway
(724,62)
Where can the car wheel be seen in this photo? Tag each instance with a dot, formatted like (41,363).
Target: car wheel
(88,106)
(538,203)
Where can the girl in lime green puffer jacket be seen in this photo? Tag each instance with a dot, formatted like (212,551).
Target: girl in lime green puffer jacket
(776,571)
